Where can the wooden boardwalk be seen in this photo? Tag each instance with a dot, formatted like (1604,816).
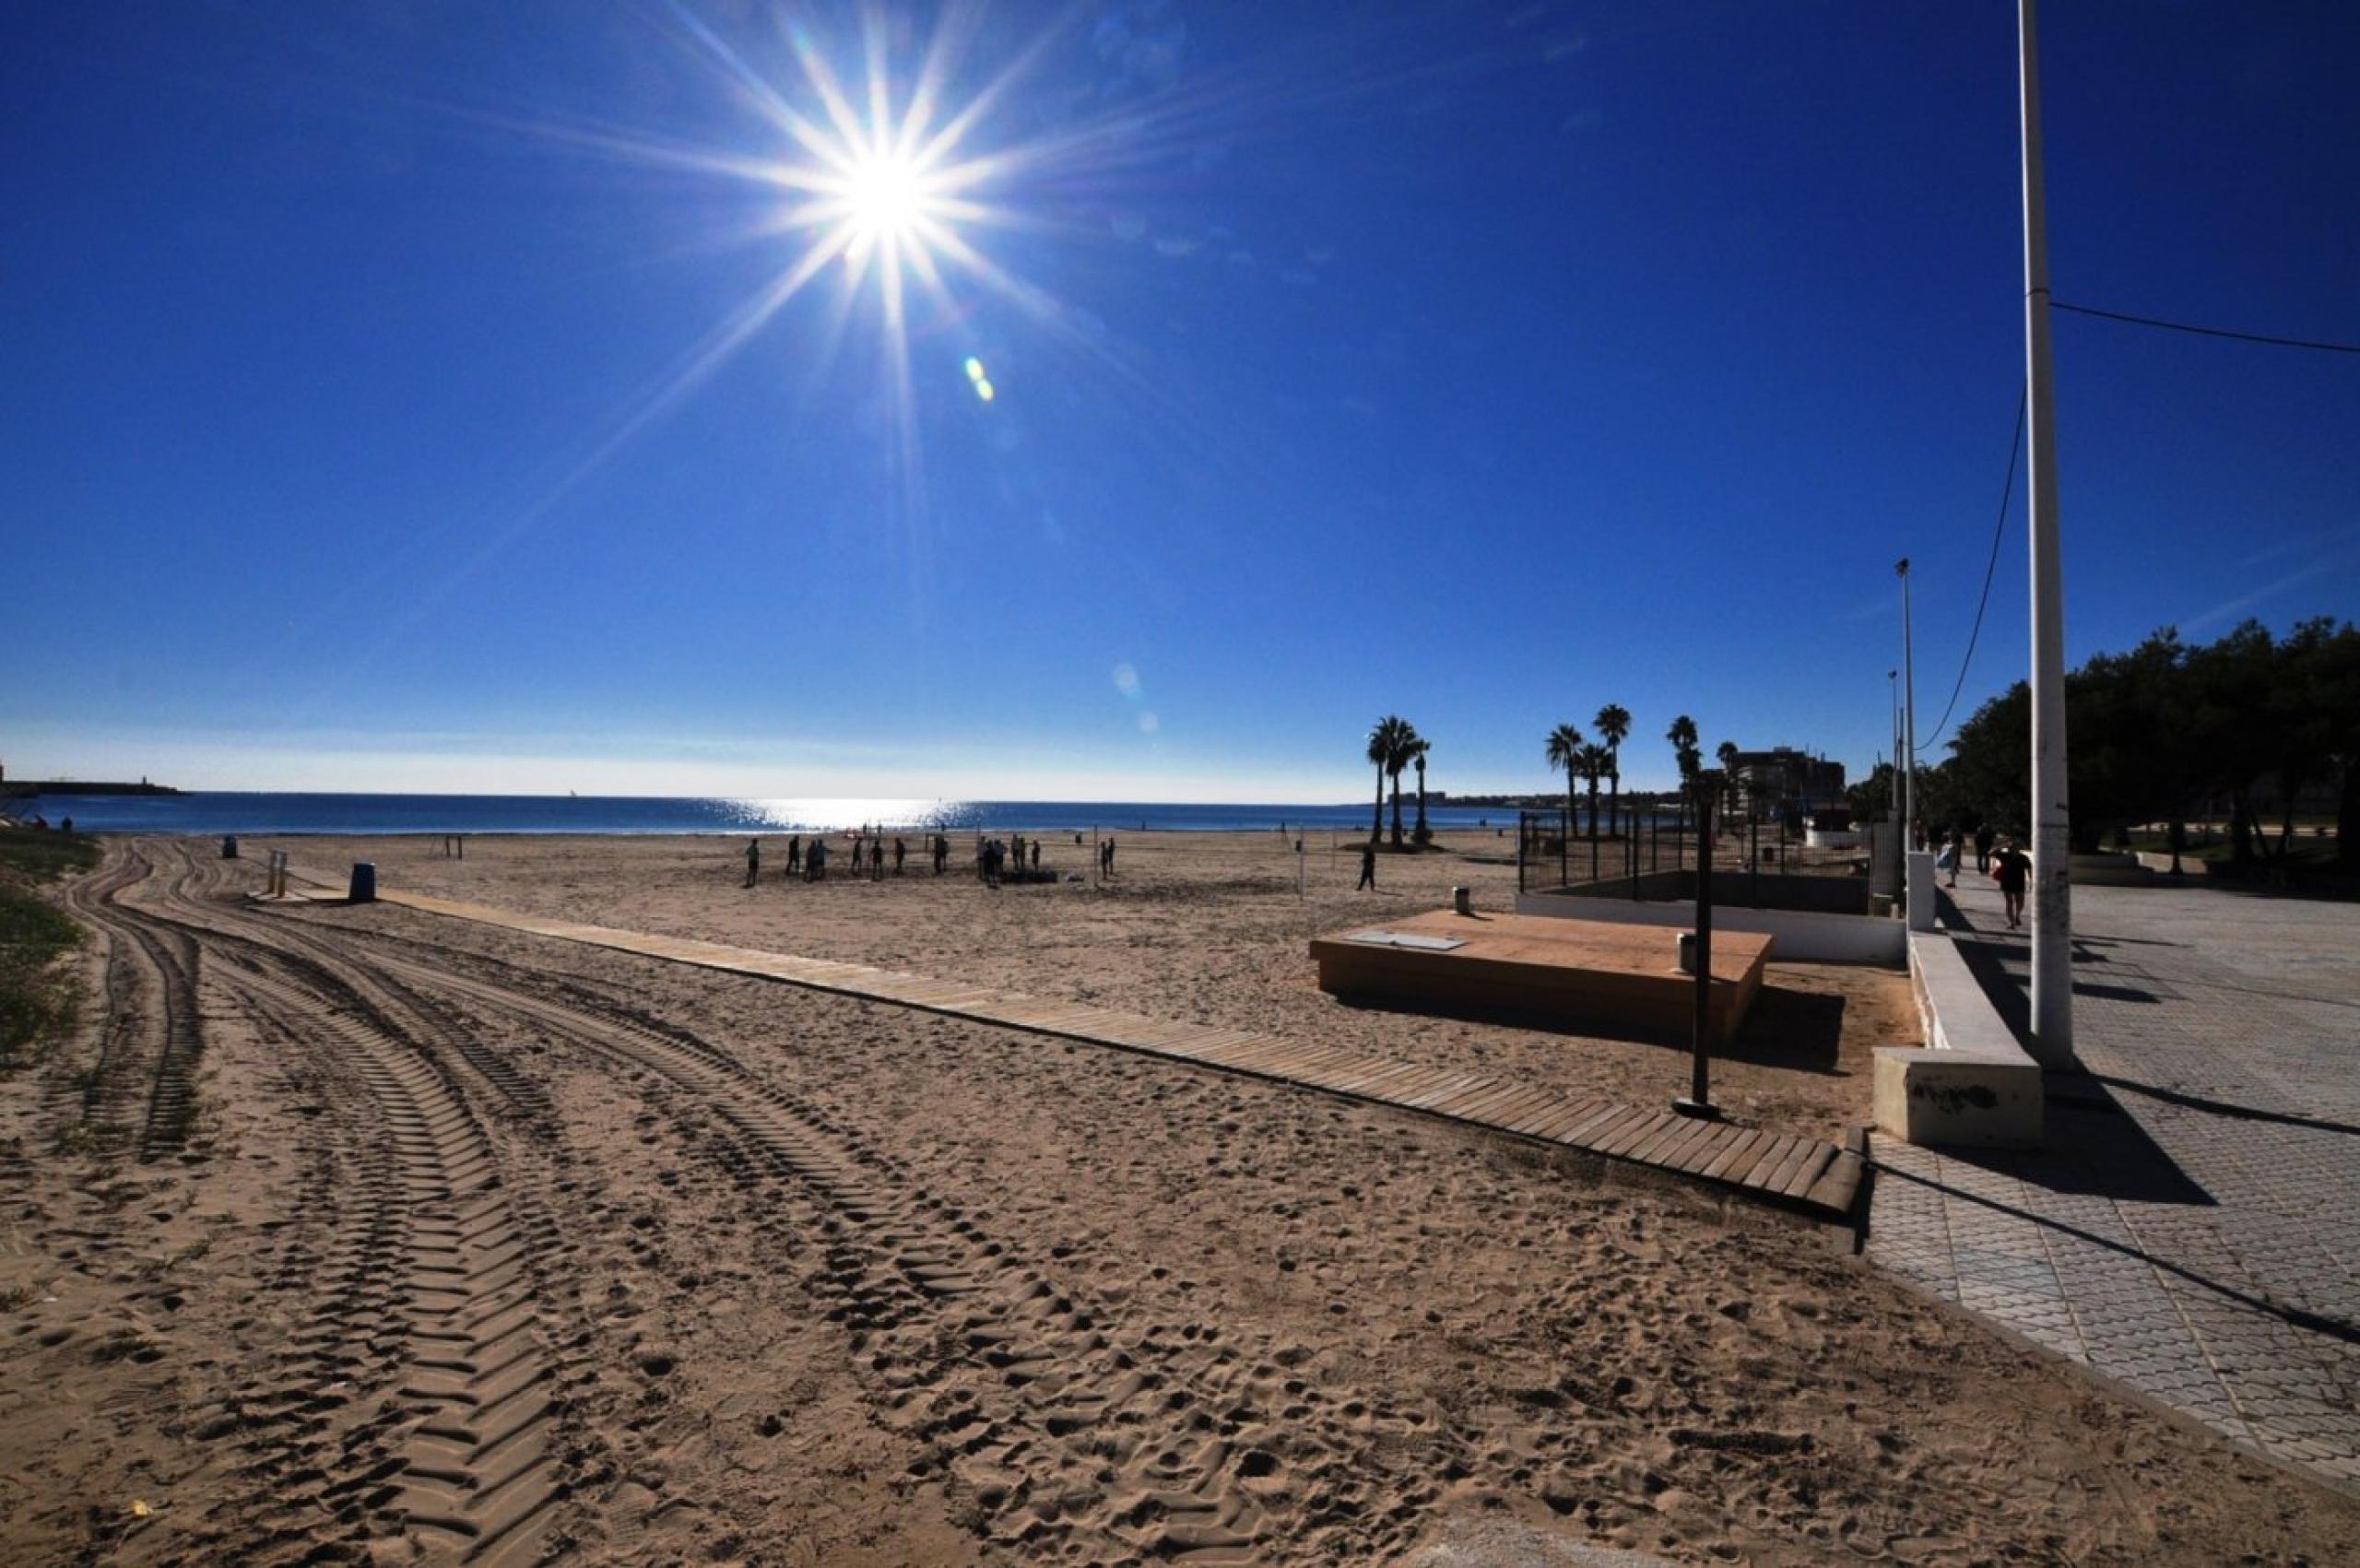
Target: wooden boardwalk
(1801,1171)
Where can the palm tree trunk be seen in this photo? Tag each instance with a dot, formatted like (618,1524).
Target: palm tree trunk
(1593,810)
(1614,798)
(1377,819)
(1396,811)
(1422,836)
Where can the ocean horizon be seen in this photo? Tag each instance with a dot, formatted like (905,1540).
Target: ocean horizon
(275,813)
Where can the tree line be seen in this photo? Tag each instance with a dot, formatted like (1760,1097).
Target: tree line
(2170,729)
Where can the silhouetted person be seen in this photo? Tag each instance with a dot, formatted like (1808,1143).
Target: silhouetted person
(1984,839)
(941,853)
(1036,855)
(815,864)
(2011,867)
(901,852)
(1368,868)
(753,860)
(795,854)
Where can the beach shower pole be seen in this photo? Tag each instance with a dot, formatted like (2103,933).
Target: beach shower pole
(1699,1101)
(2052,920)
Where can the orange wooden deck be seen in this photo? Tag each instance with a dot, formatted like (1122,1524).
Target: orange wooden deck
(1577,972)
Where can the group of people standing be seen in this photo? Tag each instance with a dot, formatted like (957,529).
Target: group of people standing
(995,858)
(810,863)
(1997,856)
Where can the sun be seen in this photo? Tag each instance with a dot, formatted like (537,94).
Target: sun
(885,198)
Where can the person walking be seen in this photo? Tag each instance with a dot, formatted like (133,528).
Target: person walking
(941,852)
(1110,854)
(794,858)
(1036,855)
(753,860)
(2011,867)
(1948,860)
(1368,867)
(901,852)
(1984,837)
(815,864)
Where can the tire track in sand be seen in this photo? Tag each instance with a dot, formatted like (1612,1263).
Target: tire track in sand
(1068,1431)
(470,1463)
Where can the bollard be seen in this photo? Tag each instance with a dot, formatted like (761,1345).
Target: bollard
(228,846)
(1462,900)
(1687,959)
(364,882)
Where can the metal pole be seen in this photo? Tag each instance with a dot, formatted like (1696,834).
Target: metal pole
(1908,717)
(2052,920)
(1893,784)
(1700,1097)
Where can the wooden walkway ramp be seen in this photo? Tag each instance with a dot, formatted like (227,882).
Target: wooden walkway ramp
(1801,1171)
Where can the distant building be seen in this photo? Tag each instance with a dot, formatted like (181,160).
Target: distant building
(1786,780)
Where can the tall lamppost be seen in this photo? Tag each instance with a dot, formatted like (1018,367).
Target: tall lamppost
(1909,718)
(2052,920)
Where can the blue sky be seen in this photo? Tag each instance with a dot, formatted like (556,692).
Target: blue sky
(1483,362)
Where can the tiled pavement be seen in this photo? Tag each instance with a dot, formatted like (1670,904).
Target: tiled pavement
(2193,1228)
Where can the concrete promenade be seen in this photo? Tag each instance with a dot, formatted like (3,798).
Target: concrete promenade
(2192,1230)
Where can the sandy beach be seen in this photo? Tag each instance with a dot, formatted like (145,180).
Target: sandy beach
(358,1233)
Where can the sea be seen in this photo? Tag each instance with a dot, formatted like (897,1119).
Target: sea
(265,813)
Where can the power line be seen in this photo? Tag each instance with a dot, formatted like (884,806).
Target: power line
(2006,492)
(2319,346)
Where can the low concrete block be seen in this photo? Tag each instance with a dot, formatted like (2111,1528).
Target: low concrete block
(1971,1084)
(1961,1098)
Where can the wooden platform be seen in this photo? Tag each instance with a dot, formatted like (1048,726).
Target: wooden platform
(1584,972)
(1799,1172)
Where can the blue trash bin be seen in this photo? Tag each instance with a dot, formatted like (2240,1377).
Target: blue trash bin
(364,882)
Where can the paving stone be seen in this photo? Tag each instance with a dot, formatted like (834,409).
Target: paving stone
(2193,1228)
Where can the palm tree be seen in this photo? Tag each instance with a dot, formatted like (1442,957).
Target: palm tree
(1727,752)
(1613,724)
(1404,748)
(1683,736)
(1566,752)
(1424,745)
(1384,740)
(1597,762)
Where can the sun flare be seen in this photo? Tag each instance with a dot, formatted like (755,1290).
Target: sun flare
(885,197)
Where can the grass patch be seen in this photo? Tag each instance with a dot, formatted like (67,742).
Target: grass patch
(43,855)
(36,1001)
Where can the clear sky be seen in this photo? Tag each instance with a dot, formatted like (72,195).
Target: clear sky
(413,395)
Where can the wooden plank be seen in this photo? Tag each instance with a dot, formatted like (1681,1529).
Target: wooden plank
(1839,1185)
(1451,1087)
(1547,1122)
(1536,1102)
(1633,1133)
(1487,1108)
(1578,1114)
(1700,1130)
(1796,1159)
(1376,1082)
(1484,1091)
(1596,1131)
(1747,1157)
(1776,1155)
(1647,1151)
(1555,1114)
(1405,1090)
(1738,1149)
(1697,1155)
(1500,1109)
(1822,1156)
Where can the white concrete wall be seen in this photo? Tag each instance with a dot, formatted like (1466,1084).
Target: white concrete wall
(1801,936)
(1971,1084)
